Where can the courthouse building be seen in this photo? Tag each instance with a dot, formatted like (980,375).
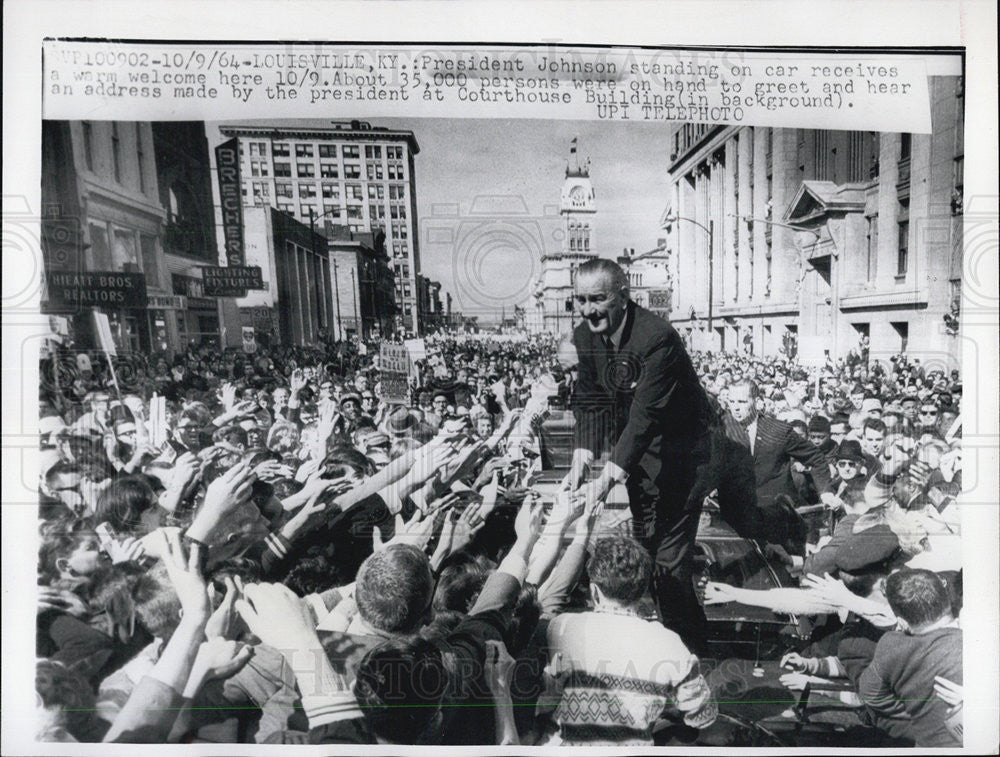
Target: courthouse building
(806,241)
(551,307)
(351,173)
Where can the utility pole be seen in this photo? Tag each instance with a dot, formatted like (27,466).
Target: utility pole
(336,292)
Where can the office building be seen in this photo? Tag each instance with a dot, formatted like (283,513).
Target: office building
(350,173)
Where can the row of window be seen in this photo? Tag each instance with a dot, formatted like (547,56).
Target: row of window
(283,149)
(117,154)
(373,171)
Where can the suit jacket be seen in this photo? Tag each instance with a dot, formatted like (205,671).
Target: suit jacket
(775,447)
(643,402)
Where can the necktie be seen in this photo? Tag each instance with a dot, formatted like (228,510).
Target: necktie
(736,431)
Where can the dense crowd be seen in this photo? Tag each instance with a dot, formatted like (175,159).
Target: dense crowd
(267,548)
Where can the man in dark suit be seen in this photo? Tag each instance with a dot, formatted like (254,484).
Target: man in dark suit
(773,445)
(638,398)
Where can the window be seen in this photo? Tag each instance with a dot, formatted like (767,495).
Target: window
(375,172)
(352,151)
(394,152)
(100,251)
(281,150)
(872,252)
(283,189)
(88,145)
(150,269)
(398,211)
(767,263)
(307,210)
(255,167)
(354,211)
(905,146)
(262,148)
(331,192)
(373,151)
(305,170)
(329,171)
(903,244)
(303,151)
(286,207)
(376,211)
(331,211)
(354,192)
(352,171)
(903,331)
(328,151)
(116,151)
(283,169)
(376,192)
(395,173)
(396,192)
(139,155)
(307,190)
(254,150)
(124,252)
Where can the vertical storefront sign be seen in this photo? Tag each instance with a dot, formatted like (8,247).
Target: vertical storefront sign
(227,162)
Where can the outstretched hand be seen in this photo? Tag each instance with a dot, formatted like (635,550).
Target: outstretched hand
(185,574)
(277,616)
(417,532)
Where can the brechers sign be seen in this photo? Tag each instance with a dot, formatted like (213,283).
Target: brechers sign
(69,290)
(227,162)
(230,281)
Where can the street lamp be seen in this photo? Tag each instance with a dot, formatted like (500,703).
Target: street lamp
(710,230)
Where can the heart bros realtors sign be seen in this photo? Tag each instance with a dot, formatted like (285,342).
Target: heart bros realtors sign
(72,290)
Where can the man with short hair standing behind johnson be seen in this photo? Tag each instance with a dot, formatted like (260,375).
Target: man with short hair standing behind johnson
(638,396)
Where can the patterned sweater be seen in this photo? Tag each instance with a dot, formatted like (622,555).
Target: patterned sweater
(621,673)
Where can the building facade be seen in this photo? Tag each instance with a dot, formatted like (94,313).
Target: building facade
(807,241)
(184,177)
(432,314)
(131,198)
(362,285)
(295,307)
(552,305)
(352,174)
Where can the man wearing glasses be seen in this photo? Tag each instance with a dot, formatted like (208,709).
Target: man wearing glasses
(928,417)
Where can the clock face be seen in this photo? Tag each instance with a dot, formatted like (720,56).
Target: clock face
(577,193)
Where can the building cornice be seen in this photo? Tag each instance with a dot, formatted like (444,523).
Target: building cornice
(313,133)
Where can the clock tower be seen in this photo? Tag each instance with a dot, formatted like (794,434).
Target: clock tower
(554,288)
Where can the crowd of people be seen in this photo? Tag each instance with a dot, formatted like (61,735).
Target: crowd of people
(264,548)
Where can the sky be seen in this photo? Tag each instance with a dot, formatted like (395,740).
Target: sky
(496,243)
